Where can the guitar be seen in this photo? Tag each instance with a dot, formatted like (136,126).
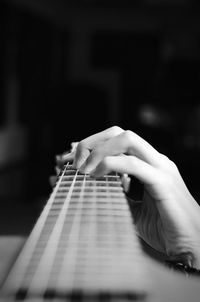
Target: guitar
(84,247)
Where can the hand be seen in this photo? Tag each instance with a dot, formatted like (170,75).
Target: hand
(168,217)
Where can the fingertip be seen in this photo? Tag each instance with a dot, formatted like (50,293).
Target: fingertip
(58,158)
(126,182)
(52,180)
(82,169)
(97,172)
(85,168)
(94,175)
(61,159)
(67,156)
(80,157)
(59,166)
(75,164)
(79,163)
(57,170)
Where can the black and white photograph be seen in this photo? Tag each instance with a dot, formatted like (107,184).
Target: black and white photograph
(99,150)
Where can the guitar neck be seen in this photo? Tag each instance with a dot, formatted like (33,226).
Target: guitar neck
(84,243)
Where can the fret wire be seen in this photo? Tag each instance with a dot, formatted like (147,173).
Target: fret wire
(19,268)
(87,183)
(42,274)
(94,244)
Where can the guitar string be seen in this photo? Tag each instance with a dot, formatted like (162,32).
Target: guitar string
(110,237)
(67,272)
(82,241)
(68,252)
(95,188)
(92,249)
(76,232)
(87,269)
(83,253)
(63,244)
(16,278)
(40,279)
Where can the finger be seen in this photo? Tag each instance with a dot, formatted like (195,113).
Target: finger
(127,142)
(127,164)
(85,146)
(52,180)
(126,180)
(74,146)
(67,156)
(61,159)
(57,170)
(133,144)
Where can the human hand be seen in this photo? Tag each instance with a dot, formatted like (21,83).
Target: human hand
(168,218)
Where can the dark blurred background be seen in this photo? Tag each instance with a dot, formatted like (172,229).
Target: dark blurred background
(71,68)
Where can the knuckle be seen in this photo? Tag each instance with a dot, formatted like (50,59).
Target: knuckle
(81,145)
(116,130)
(173,165)
(168,163)
(128,135)
(164,160)
(165,180)
(164,157)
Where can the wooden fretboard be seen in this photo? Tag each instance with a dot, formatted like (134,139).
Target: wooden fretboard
(84,244)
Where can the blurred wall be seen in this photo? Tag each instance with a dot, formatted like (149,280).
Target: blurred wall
(70,69)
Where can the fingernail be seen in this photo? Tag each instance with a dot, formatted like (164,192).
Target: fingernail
(52,180)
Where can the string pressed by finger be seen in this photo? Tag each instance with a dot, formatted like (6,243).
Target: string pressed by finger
(126,142)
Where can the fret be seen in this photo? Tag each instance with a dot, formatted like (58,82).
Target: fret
(84,241)
(103,206)
(101,195)
(69,177)
(90,190)
(90,183)
(101,201)
(59,196)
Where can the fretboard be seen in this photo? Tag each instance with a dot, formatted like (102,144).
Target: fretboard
(84,243)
